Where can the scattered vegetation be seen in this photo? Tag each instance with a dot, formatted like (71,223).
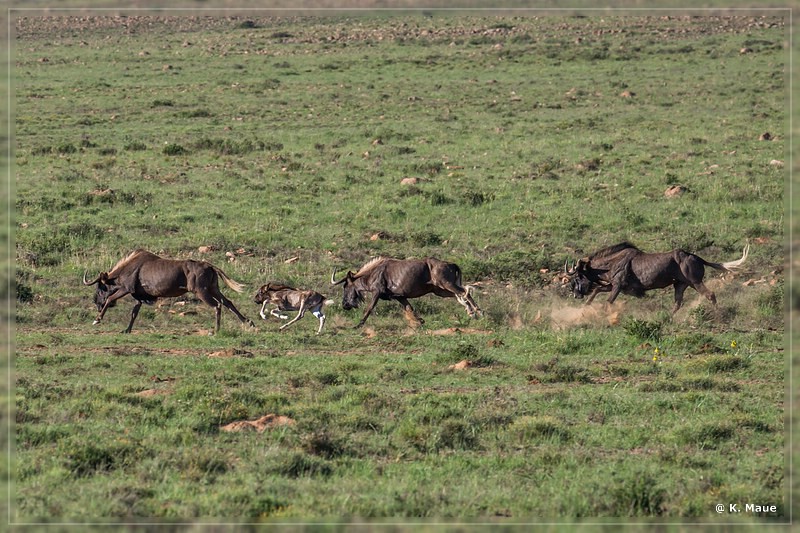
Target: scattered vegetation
(281,145)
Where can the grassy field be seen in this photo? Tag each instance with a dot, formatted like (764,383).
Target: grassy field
(280,144)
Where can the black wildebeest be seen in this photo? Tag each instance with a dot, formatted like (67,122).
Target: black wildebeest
(625,268)
(148,277)
(400,279)
(286,298)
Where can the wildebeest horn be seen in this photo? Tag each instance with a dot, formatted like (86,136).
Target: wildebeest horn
(333,278)
(90,282)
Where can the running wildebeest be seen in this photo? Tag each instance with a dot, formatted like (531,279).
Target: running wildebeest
(148,277)
(625,268)
(386,278)
(287,298)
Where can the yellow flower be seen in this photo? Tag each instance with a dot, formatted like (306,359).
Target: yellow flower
(733,344)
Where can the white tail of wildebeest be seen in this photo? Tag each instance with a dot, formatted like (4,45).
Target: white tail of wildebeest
(148,277)
(386,278)
(286,298)
(625,268)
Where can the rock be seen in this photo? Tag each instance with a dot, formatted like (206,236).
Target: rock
(675,191)
(260,425)
(409,181)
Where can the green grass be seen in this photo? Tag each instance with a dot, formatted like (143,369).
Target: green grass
(282,144)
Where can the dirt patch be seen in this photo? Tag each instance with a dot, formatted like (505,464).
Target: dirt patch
(260,425)
(231,352)
(458,331)
(149,393)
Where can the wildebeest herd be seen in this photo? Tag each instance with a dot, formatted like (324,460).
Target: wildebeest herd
(621,268)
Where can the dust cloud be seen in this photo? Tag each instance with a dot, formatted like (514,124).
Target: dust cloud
(597,314)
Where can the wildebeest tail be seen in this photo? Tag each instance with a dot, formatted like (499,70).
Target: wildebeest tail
(235,285)
(731,265)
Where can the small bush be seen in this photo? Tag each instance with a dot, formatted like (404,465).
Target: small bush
(644,329)
(715,364)
(639,495)
(771,303)
(174,149)
(528,428)
(463,351)
(324,444)
(24,293)
(476,199)
(426,238)
(88,459)
(456,435)
(66,148)
(300,465)
(135,146)
(706,436)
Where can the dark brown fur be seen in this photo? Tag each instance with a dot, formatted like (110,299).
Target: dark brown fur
(148,277)
(623,268)
(401,279)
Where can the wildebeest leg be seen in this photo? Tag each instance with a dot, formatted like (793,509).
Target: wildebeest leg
(679,290)
(134,314)
(300,313)
(321,316)
(216,298)
(276,313)
(705,291)
(229,304)
(216,303)
(615,289)
(472,308)
(408,310)
(114,297)
(598,289)
(461,294)
(372,305)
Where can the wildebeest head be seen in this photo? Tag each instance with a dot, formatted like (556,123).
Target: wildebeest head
(351,295)
(579,283)
(265,291)
(105,288)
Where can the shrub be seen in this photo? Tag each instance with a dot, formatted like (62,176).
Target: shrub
(638,495)
(24,292)
(527,428)
(706,436)
(299,464)
(135,146)
(456,435)
(174,149)
(644,329)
